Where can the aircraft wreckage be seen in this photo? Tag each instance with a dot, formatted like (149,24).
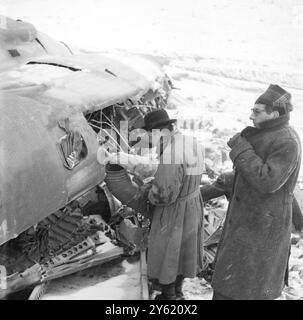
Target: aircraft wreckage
(57,215)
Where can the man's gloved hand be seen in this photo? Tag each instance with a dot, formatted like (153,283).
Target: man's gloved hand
(238,145)
(234,140)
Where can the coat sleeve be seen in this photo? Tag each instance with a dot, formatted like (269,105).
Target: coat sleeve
(270,174)
(167,185)
(222,186)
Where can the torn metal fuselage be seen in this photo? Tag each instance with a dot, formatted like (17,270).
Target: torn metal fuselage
(54,103)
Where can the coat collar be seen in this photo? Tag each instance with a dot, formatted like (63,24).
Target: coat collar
(265,126)
(273,123)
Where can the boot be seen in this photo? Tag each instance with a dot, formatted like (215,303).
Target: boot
(178,287)
(168,292)
(156,285)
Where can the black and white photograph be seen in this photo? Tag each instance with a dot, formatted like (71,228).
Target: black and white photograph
(151,151)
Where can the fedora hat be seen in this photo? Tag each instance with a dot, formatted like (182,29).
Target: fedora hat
(157,119)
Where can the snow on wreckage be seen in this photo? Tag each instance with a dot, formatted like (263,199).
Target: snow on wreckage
(57,106)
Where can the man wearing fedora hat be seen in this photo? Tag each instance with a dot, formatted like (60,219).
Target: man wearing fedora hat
(174,246)
(253,251)
(158,119)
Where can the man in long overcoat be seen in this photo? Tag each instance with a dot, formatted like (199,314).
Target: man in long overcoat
(253,251)
(175,244)
(223,186)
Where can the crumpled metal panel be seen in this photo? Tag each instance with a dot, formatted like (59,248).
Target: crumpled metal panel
(33,180)
(33,98)
(100,81)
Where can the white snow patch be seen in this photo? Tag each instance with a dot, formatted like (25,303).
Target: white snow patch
(116,280)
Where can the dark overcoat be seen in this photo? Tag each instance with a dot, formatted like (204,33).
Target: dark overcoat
(252,255)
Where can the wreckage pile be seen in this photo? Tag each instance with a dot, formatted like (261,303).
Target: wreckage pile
(55,234)
(71,237)
(59,232)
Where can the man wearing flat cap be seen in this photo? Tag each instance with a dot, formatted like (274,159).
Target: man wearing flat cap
(175,244)
(253,251)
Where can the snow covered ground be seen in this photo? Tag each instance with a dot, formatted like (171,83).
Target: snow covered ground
(115,280)
(221,54)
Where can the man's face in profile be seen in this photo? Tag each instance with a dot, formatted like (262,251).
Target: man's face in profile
(259,114)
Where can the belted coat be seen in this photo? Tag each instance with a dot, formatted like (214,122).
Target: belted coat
(175,239)
(253,251)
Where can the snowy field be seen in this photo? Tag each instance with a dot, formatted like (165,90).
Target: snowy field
(222,54)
